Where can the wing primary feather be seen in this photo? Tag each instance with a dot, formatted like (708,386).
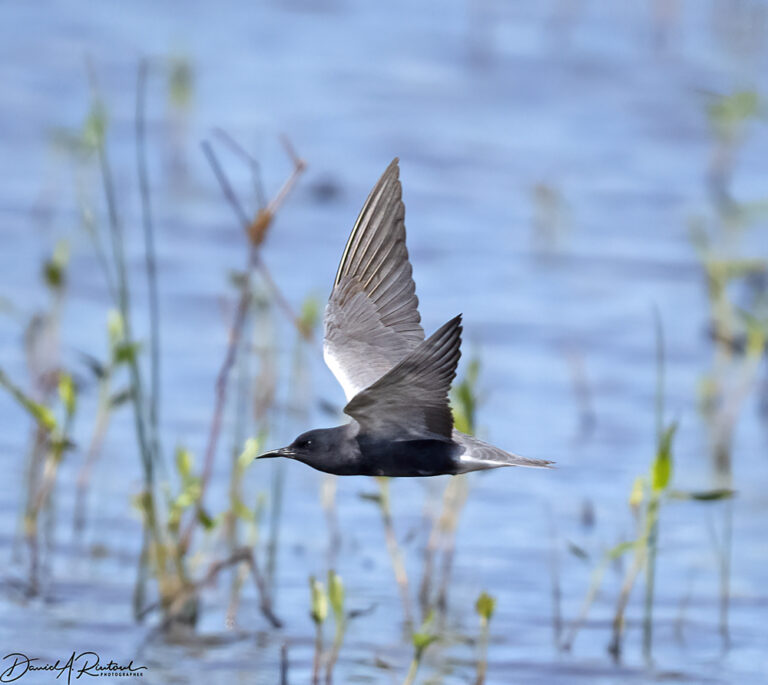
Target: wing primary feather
(372,319)
(390,177)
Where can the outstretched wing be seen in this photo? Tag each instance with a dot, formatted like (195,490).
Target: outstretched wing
(372,319)
(411,400)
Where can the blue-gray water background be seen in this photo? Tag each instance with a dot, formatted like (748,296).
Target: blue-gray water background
(602,106)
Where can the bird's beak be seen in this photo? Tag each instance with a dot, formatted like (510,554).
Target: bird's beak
(282,452)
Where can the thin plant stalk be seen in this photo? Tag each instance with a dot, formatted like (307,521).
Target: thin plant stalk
(413,671)
(725,574)
(123,301)
(421,642)
(265,217)
(277,488)
(639,560)
(239,433)
(317,659)
(395,553)
(298,403)
(485,607)
(455,497)
(336,600)
(150,258)
(594,588)
(653,504)
(557,590)
(650,577)
(101,424)
(318,612)
(284,664)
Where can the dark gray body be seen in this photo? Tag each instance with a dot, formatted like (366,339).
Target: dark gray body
(343,451)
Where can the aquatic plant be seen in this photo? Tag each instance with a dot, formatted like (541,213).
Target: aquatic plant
(738,332)
(53,416)
(396,557)
(104,371)
(170,513)
(648,494)
(318,613)
(443,526)
(420,640)
(484,607)
(336,600)
(52,441)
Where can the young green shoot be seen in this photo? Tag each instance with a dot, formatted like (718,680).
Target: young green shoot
(485,606)
(336,599)
(318,612)
(421,640)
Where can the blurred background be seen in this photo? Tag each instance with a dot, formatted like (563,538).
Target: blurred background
(585,181)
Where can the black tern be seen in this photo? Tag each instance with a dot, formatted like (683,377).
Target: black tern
(395,381)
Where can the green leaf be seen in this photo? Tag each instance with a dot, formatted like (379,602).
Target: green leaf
(205,520)
(577,551)
(94,365)
(189,495)
(115,327)
(95,126)
(729,112)
(485,606)
(756,334)
(620,549)
(425,636)
(319,609)
(54,270)
(464,399)
(422,640)
(185,462)
(250,452)
(310,315)
(336,595)
(59,445)
(67,393)
(637,493)
(143,502)
(180,82)
(39,412)
(119,398)
(703,495)
(241,511)
(125,352)
(661,471)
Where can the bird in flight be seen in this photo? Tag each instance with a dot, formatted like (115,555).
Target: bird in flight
(395,381)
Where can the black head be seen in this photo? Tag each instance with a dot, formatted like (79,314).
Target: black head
(322,448)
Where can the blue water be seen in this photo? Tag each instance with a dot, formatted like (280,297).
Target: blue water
(483,102)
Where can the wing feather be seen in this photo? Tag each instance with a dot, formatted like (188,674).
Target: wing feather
(372,319)
(411,399)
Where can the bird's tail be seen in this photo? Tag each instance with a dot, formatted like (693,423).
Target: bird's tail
(479,455)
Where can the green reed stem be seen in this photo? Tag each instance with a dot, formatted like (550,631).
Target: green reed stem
(150,259)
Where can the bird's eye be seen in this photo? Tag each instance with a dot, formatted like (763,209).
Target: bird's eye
(305,444)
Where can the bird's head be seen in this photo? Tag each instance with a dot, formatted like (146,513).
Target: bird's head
(319,448)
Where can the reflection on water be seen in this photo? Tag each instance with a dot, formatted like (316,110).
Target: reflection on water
(553,158)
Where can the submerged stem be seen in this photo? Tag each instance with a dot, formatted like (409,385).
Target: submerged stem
(650,577)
